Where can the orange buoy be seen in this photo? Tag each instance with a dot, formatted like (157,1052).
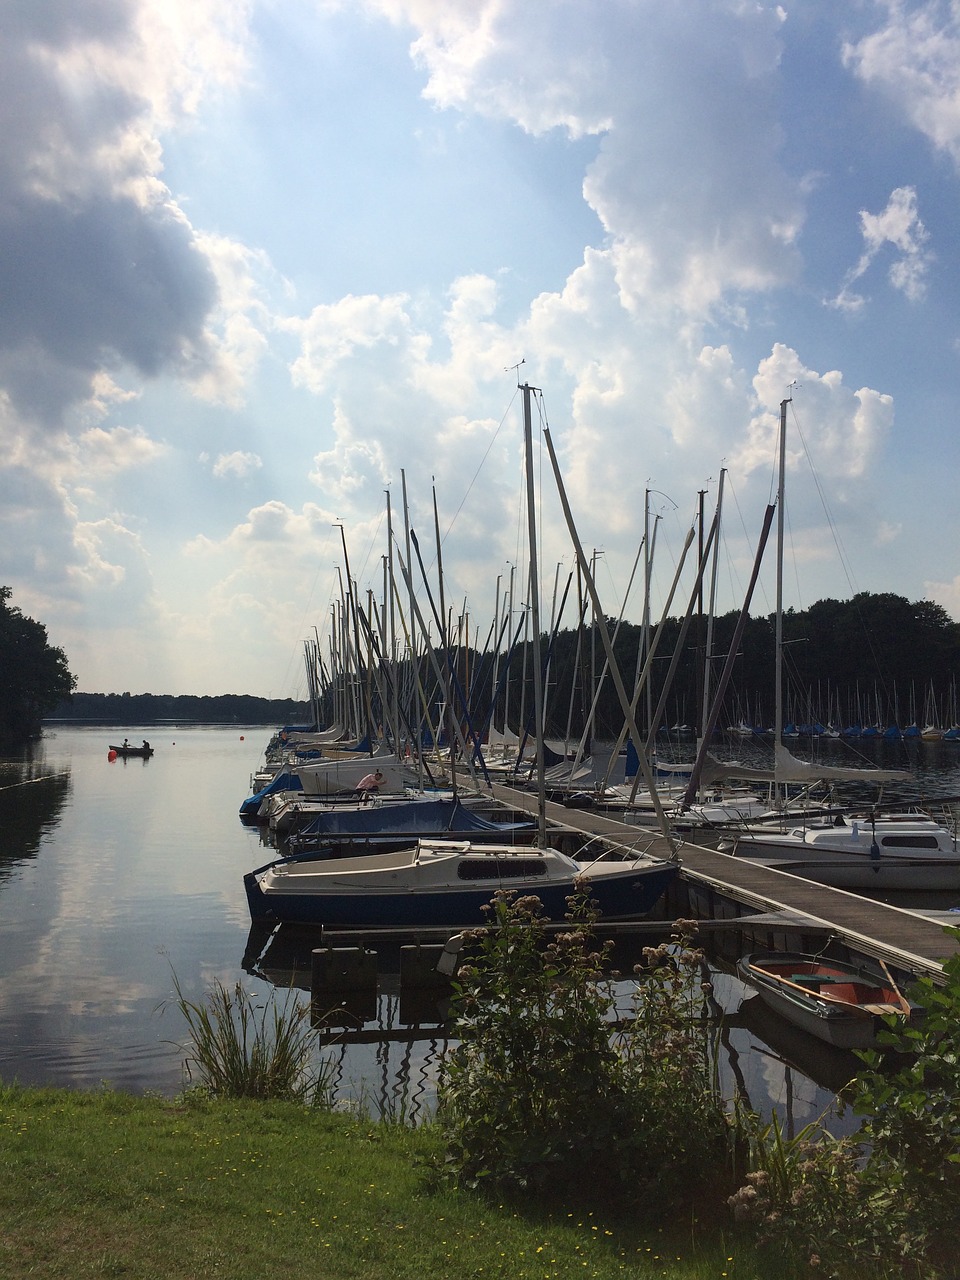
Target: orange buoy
(111,756)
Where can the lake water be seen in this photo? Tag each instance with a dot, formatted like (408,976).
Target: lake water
(117,877)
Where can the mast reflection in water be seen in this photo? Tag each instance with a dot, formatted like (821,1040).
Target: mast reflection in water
(116,877)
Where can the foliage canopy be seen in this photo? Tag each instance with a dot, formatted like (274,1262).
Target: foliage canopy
(34,675)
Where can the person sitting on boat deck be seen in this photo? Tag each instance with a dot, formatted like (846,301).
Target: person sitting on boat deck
(369,786)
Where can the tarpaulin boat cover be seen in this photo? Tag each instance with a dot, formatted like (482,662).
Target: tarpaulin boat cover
(280,782)
(418,817)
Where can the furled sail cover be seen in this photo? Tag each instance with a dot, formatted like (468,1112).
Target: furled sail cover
(788,768)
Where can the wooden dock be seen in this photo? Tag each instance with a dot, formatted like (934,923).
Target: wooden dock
(888,933)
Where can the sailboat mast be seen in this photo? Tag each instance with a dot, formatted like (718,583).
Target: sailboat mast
(778,721)
(711,607)
(534,616)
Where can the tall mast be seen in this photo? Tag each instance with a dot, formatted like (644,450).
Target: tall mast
(778,720)
(711,607)
(534,616)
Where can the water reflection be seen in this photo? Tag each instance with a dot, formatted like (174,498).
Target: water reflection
(113,878)
(385,1044)
(388,1042)
(32,797)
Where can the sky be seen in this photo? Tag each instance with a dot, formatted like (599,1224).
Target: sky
(266,263)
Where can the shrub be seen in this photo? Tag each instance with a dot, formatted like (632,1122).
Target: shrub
(545,1094)
(811,1206)
(887,1202)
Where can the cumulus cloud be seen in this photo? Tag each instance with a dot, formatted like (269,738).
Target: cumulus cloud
(682,232)
(99,452)
(914,59)
(898,225)
(101,268)
(333,333)
(237,464)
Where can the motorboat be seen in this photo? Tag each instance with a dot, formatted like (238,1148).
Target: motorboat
(860,851)
(441,883)
(843,1004)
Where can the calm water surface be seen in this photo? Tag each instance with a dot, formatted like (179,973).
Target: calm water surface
(114,877)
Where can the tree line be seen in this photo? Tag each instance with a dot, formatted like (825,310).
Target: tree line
(877,659)
(34,674)
(874,659)
(147,708)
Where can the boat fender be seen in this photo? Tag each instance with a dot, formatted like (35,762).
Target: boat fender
(450,955)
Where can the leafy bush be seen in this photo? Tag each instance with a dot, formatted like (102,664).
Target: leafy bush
(887,1202)
(547,1094)
(815,1209)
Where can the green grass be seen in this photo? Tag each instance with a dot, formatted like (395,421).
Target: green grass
(107,1184)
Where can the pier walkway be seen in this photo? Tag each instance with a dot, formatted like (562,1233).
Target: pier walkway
(887,933)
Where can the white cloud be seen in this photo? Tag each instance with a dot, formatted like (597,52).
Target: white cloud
(100,452)
(914,59)
(100,267)
(238,464)
(842,429)
(333,332)
(898,225)
(682,232)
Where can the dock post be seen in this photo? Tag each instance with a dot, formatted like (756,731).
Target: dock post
(419,968)
(343,986)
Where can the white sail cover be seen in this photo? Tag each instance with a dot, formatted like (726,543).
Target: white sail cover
(787,768)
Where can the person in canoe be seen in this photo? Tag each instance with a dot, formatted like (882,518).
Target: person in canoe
(146,746)
(370,785)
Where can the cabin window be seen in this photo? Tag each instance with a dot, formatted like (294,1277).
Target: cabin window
(500,868)
(910,842)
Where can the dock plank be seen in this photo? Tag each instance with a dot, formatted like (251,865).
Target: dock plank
(889,933)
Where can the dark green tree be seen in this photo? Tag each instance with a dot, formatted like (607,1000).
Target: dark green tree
(34,676)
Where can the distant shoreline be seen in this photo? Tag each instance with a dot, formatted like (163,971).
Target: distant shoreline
(159,709)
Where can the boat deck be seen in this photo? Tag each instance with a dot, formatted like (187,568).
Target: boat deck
(890,933)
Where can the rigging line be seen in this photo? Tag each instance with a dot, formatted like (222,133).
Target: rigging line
(374,538)
(884,679)
(735,583)
(831,523)
(480,466)
(48,777)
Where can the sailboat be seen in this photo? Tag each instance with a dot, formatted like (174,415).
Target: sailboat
(907,850)
(447,883)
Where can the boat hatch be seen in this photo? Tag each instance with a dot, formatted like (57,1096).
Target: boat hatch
(909,842)
(500,868)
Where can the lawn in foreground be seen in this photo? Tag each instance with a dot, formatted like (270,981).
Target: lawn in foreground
(107,1184)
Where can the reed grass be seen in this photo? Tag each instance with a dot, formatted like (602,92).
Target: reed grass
(243,1049)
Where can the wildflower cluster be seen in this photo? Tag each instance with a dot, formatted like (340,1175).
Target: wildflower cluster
(550,1090)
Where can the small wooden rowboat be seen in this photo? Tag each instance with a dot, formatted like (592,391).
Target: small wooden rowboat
(843,1004)
(132,751)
